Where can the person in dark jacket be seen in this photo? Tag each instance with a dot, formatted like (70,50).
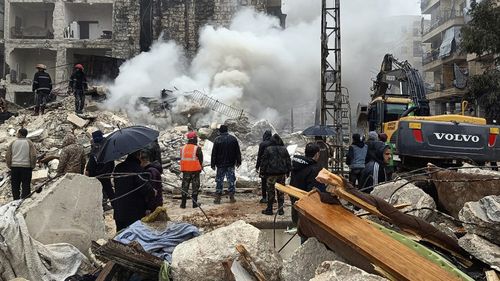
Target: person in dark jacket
(94,169)
(78,85)
(276,166)
(374,144)
(304,172)
(132,192)
(42,86)
(155,151)
(154,169)
(375,171)
(324,152)
(266,141)
(225,155)
(191,167)
(355,158)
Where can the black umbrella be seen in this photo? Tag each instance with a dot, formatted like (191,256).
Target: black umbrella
(319,130)
(125,141)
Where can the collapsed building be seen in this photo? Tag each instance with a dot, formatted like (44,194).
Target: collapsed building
(100,34)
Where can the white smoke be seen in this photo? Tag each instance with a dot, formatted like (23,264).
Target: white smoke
(254,65)
(259,67)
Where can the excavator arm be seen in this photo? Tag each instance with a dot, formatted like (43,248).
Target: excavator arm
(402,74)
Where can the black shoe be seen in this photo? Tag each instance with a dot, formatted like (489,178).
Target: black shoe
(281,212)
(263,201)
(183,203)
(267,212)
(231,198)
(217,199)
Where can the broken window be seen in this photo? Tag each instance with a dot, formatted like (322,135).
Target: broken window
(22,64)
(31,21)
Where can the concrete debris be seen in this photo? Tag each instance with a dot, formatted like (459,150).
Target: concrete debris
(481,249)
(201,258)
(483,218)
(68,210)
(304,261)
(77,121)
(339,271)
(464,186)
(402,192)
(40,175)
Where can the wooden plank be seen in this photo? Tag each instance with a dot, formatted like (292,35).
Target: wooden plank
(247,259)
(291,190)
(381,250)
(108,272)
(398,206)
(228,274)
(491,275)
(341,193)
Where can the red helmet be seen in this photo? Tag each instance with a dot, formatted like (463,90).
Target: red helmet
(79,66)
(191,135)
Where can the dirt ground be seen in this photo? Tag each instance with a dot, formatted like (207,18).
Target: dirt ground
(247,208)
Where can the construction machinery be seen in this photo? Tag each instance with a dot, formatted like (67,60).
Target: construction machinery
(400,109)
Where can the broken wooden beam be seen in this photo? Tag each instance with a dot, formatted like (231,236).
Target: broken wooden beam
(359,242)
(249,264)
(291,190)
(108,271)
(128,256)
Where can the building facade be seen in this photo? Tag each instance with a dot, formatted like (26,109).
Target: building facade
(60,33)
(443,62)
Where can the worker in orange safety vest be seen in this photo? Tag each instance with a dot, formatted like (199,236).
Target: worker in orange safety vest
(191,166)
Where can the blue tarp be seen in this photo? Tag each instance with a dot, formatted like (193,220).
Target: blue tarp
(160,243)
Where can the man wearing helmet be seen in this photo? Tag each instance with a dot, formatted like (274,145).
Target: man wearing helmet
(42,85)
(78,85)
(191,166)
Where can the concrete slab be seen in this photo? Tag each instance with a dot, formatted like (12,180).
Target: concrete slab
(68,210)
(77,121)
(40,175)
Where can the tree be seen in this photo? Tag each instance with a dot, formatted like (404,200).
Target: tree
(484,90)
(481,36)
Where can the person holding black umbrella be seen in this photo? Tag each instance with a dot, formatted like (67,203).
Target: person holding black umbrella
(132,191)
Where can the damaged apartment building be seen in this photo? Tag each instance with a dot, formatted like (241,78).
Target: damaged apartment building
(100,34)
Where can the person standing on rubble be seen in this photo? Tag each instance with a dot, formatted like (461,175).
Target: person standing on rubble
(155,170)
(266,141)
(42,86)
(276,166)
(78,85)
(304,172)
(356,159)
(94,169)
(324,151)
(225,156)
(132,192)
(21,159)
(375,172)
(191,166)
(72,157)
(374,144)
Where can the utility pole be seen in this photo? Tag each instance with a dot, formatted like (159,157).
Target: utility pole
(334,104)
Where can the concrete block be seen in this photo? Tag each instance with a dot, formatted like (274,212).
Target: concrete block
(77,121)
(40,175)
(200,258)
(68,210)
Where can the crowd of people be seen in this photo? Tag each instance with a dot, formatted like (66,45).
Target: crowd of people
(133,188)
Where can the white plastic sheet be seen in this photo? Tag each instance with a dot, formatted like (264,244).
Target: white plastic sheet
(23,256)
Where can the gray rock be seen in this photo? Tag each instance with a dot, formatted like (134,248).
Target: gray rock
(339,271)
(68,210)
(201,258)
(403,192)
(483,218)
(304,261)
(481,249)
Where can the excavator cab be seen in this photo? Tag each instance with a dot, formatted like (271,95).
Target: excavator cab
(384,112)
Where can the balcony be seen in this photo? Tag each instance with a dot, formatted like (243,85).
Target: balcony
(426,5)
(441,23)
(446,94)
(431,61)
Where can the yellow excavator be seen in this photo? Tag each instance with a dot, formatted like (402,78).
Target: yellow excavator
(417,136)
